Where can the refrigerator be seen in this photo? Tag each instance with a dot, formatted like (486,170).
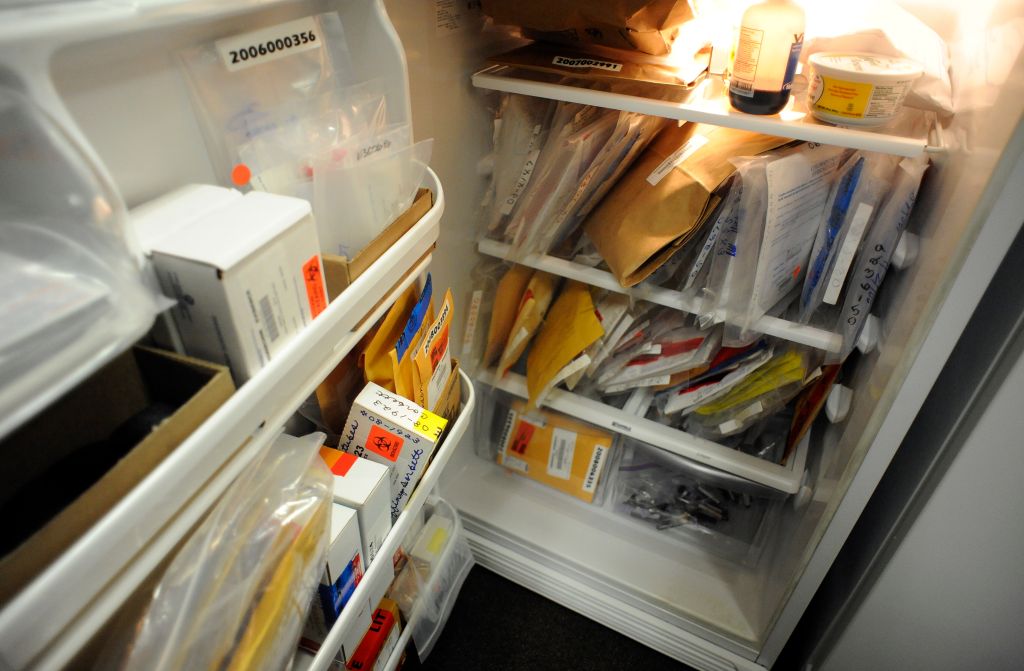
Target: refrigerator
(105,72)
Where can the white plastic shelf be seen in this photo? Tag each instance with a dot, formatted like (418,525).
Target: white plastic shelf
(705,453)
(379,569)
(708,104)
(105,566)
(773,326)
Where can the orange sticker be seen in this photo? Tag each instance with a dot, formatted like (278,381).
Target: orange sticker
(384,443)
(313,275)
(240,174)
(439,348)
(338,462)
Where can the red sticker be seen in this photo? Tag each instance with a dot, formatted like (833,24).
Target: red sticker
(521,438)
(312,275)
(384,443)
(342,465)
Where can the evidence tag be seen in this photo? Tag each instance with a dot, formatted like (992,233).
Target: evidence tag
(269,44)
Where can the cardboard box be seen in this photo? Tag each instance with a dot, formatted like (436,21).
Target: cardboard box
(341,271)
(393,431)
(365,487)
(342,572)
(67,431)
(247,278)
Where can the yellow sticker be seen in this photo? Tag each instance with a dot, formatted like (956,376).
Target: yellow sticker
(841,98)
(429,425)
(437,541)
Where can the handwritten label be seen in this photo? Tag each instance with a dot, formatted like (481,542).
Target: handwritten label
(524,178)
(269,44)
(676,158)
(472,315)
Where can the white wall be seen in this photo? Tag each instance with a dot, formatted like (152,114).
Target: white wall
(952,594)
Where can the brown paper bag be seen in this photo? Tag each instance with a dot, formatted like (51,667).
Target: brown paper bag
(644,25)
(660,203)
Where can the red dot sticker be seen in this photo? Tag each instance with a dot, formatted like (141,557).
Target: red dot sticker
(240,175)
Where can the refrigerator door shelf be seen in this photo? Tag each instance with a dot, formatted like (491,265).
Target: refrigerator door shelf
(382,569)
(707,103)
(116,554)
(704,453)
(773,326)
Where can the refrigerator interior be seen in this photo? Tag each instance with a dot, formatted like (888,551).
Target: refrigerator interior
(132,105)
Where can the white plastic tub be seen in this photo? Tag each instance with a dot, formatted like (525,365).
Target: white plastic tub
(858,89)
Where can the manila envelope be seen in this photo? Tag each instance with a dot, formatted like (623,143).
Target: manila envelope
(661,202)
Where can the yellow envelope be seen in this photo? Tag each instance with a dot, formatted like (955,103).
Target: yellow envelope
(532,308)
(570,328)
(433,359)
(376,362)
(507,298)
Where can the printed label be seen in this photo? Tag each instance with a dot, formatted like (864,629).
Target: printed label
(841,98)
(744,69)
(567,62)
(563,445)
(845,256)
(506,431)
(442,365)
(269,44)
(515,463)
(471,318)
(313,276)
(594,470)
(676,158)
(383,442)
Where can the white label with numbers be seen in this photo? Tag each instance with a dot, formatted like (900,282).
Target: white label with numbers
(269,44)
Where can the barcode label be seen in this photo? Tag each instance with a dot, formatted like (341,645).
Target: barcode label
(267,313)
(269,44)
(738,87)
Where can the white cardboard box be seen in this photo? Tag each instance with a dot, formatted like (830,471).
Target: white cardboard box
(342,572)
(246,276)
(364,486)
(164,216)
(395,432)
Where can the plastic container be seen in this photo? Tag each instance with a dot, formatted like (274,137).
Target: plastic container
(858,89)
(770,38)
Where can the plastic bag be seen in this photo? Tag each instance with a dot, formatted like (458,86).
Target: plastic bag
(872,262)
(246,85)
(862,183)
(72,292)
(236,595)
(439,562)
(354,203)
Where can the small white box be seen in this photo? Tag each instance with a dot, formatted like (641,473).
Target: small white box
(164,216)
(342,572)
(364,486)
(395,432)
(246,276)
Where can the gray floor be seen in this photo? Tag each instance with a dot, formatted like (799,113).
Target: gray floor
(498,626)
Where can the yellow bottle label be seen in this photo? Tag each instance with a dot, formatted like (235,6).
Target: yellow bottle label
(840,98)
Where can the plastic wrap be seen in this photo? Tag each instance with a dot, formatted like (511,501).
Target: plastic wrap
(247,85)
(678,498)
(72,292)
(439,561)
(236,595)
